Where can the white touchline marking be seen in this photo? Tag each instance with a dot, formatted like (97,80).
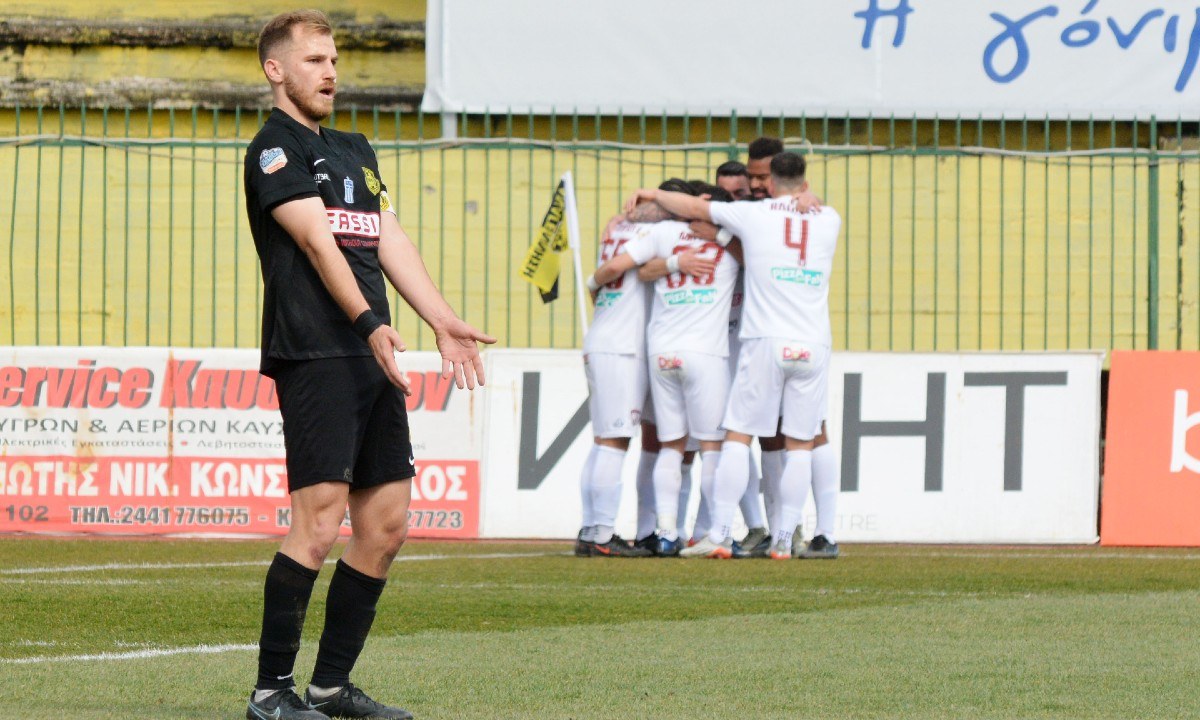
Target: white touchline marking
(247,563)
(133,655)
(74,581)
(1019,554)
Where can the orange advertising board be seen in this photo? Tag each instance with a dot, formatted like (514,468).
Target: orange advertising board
(1151,492)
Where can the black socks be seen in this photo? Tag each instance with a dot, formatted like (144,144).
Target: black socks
(285,601)
(349,612)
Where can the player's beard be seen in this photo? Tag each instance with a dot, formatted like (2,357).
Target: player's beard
(311,104)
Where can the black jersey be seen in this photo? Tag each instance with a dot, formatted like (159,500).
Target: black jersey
(287,161)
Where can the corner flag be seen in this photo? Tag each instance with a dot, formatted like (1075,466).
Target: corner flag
(541,263)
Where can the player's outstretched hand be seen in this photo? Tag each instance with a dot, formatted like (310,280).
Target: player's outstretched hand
(641,196)
(385,342)
(806,201)
(456,341)
(691,263)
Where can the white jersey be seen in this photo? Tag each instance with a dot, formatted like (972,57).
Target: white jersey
(788,258)
(619,324)
(688,313)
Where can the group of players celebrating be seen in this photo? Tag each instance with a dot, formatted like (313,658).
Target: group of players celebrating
(712,328)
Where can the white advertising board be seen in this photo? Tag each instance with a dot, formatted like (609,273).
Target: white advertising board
(990,58)
(993,448)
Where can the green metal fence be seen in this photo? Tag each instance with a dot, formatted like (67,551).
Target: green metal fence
(127,226)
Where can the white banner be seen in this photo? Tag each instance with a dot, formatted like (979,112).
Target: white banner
(933,447)
(990,58)
(989,448)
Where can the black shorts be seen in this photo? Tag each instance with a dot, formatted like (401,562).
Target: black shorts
(342,421)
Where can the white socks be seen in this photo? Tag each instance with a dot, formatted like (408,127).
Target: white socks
(752,511)
(588,524)
(645,494)
(685,494)
(826,482)
(704,514)
(668,479)
(772,470)
(793,492)
(733,473)
(606,490)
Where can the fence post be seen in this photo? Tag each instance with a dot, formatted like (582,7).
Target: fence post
(733,135)
(1152,238)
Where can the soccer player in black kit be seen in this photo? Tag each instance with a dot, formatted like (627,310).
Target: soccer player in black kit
(327,235)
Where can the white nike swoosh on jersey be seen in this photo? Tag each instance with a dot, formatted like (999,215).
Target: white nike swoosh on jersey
(318,162)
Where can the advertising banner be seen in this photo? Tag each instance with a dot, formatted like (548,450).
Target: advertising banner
(880,58)
(168,441)
(933,447)
(1152,453)
(988,447)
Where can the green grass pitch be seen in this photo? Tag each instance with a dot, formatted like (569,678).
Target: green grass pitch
(97,628)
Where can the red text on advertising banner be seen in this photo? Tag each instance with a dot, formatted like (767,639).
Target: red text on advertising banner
(186,384)
(197,495)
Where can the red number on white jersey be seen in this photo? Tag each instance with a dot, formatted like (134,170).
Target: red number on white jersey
(800,243)
(609,250)
(679,279)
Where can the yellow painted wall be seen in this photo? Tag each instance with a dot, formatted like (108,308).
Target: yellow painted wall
(89,63)
(237,65)
(362,10)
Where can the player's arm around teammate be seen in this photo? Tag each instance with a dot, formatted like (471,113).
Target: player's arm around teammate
(790,329)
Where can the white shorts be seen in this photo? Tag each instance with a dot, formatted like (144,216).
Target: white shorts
(617,387)
(690,390)
(779,378)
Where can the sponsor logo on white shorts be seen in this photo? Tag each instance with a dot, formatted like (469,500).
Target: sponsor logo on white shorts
(669,362)
(796,354)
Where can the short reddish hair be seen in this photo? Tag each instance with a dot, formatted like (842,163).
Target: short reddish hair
(279,29)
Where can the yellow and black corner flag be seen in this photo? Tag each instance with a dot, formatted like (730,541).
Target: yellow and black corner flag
(541,262)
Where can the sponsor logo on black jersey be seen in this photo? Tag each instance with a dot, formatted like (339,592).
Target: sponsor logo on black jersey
(372,181)
(349,222)
(272,159)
